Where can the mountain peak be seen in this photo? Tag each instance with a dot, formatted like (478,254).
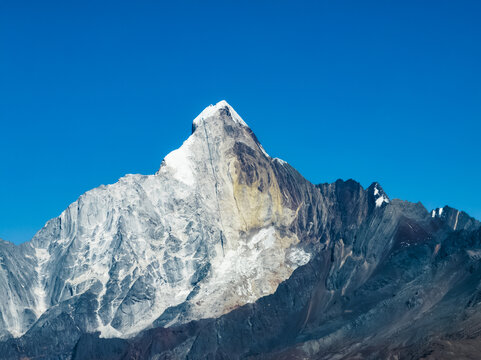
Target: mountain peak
(221,108)
(380,197)
(215,133)
(456,219)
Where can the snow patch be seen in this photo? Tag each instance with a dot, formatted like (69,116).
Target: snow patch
(437,212)
(381,200)
(246,272)
(381,197)
(107,331)
(180,163)
(298,256)
(42,256)
(280,161)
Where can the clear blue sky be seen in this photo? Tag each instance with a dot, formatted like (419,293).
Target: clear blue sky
(386,91)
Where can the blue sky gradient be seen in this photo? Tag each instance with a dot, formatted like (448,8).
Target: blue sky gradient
(386,91)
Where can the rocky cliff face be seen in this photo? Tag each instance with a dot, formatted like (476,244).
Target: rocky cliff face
(228,253)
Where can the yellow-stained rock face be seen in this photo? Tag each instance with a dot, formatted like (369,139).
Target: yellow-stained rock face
(259,249)
(257,194)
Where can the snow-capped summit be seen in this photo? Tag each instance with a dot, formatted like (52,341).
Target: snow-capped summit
(211,111)
(208,232)
(378,195)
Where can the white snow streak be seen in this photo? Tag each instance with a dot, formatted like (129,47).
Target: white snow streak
(456,223)
(39,289)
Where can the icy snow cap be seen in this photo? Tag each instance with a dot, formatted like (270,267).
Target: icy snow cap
(380,196)
(212,110)
(181,163)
